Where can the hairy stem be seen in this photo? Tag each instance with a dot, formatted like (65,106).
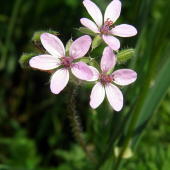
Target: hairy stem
(76,124)
(39,48)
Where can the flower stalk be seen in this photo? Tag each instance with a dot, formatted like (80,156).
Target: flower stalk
(76,124)
(37,46)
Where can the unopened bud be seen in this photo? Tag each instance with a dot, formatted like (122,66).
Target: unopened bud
(24,60)
(125,55)
(37,34)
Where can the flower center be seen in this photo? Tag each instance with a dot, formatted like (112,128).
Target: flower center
(106,78)
(107,26)
(67,61)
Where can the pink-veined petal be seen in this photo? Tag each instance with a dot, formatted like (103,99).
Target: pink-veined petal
(124,30)
(80,47)
(44,62)
(108,60)
(94,12)
(89,24)
(82,71)
(96,74)
(113,10)
(97,95)
(112,41)
(124,76)
(53,44)
(114,96)
(59,80)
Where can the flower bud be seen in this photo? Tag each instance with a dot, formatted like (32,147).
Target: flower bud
(24,60)
(125,55)
(36,36)
(87,31)
(96,41)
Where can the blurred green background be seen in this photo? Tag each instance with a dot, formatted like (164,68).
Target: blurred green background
(35,132)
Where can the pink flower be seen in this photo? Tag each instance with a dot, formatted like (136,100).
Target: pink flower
(57,58)
(107,30)
(105,82)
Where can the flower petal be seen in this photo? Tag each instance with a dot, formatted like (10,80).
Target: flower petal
(80,47)
(108,60)
(53,44)
(59,80)
(82,71)
(124,76)
(97,95)
(94,12)
(124,30)
(96,74)
(113,10)
(44,62)
(89,24)
(112,41)
(114,96)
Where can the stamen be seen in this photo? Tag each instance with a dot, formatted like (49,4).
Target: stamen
(107,26)
(108,22)
(107,78)
(67,61)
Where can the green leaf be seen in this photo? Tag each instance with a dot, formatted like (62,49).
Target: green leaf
(152,166)
(155,94)
(166,165)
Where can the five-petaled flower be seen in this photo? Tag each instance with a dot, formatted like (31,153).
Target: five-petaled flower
(106,81)
(58,58)
(108,29)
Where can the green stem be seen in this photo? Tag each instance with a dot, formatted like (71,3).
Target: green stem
(9,33)
(137,108)
(75,123)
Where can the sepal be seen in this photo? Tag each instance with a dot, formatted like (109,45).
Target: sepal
(95,64)
(73,78)
(96,41)
(68,47)
(86,60)
(87,31)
